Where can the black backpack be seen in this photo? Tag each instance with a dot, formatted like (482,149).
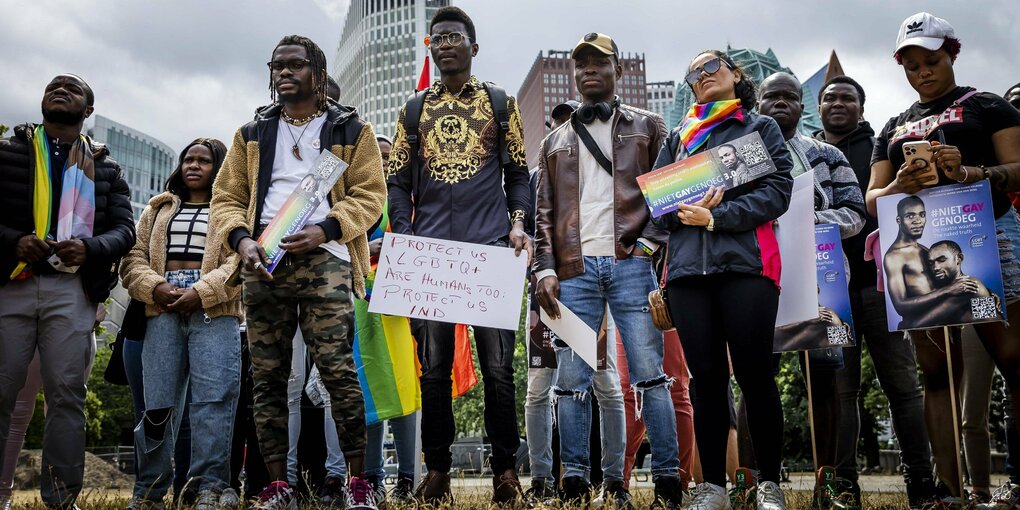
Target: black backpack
(412,117)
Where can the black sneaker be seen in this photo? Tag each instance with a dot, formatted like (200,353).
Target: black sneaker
(617,492)
(540,494)
(331,492)
(576,490)
(920,490)
(669,495)
(403,493)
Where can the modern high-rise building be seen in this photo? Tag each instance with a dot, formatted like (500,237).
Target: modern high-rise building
(380,55)
(759,66)
(660,97)
(551,82)
(146,161)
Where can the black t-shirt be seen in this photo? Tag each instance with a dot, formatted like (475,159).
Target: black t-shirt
(969,126)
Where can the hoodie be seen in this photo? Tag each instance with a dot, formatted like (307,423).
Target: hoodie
(857,147)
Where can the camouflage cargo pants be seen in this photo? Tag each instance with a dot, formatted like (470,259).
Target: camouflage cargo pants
(312,292)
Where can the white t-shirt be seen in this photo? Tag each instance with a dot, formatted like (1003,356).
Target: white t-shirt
(596,188)
(288,172)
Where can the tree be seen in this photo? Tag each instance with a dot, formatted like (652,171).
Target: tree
(3,129)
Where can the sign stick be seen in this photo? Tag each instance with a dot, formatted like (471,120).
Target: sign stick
(956,414)
(810,410)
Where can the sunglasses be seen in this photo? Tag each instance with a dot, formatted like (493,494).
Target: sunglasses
(454,38)
(711,67)
(295,66)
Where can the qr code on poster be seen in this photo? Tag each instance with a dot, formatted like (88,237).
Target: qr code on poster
(753,153)
(838,335)
(984,308)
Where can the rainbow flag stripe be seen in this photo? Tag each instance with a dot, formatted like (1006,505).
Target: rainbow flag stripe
(385,354)
(703,117)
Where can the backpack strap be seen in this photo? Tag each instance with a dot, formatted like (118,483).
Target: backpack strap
(500,111)
(412,118)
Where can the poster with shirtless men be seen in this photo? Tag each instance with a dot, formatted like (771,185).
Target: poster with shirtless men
(834,325)
(940,257)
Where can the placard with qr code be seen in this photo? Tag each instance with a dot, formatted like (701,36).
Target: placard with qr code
(728,165)
(940,257)
(834,325)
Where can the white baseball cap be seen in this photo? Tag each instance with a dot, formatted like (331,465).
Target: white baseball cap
(924,30)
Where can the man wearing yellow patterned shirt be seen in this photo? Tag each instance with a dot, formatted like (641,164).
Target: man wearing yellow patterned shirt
(465,187)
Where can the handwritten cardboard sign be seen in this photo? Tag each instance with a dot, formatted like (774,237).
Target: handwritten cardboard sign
(449,281)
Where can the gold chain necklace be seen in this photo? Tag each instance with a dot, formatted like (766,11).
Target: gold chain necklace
(300,122)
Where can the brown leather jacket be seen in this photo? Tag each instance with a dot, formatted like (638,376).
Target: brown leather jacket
(637,138)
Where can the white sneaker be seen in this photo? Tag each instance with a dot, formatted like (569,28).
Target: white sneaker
(229,499)
(770,497)
(5,503)
(707,496)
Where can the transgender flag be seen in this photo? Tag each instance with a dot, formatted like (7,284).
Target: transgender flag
(77,205)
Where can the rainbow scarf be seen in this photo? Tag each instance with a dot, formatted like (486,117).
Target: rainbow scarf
(76,216)
(385,355)
(702,118)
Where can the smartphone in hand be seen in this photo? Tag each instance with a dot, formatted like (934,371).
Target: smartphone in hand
(921,150)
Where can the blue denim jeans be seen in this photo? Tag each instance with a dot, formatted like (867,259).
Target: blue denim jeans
(404,430)
(623,285)
(182,353)
(182,447)
(613,423)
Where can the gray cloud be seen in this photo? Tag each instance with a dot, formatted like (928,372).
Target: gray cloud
(178,70)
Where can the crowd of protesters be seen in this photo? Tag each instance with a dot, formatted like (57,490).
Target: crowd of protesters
(223,343)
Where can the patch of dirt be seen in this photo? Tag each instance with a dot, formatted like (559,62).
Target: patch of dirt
(99,474)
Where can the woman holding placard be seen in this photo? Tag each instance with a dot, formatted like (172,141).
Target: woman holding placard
(966,136)
(723,277)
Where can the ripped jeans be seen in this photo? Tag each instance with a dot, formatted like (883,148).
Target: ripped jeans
(624,285)
(181,351)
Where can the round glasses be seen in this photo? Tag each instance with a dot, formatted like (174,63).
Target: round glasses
(453,38)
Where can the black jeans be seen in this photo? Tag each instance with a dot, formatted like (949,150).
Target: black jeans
(495,355)
(893,356)
(739,311)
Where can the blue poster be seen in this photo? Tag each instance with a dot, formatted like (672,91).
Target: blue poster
(940,257)
(834,325)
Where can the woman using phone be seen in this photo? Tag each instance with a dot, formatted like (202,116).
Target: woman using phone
(179,268)
(723,278)
(973,136)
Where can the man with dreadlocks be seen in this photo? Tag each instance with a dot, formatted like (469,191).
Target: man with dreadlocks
(311,287)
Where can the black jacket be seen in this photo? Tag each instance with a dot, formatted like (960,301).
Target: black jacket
(743,240)
(114,227)
(857,147)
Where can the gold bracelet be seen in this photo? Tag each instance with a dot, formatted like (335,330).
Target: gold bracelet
(517,215)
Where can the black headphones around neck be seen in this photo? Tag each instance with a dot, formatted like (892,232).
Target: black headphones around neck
(602,110)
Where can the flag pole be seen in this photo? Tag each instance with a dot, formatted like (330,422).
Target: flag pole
(810,408)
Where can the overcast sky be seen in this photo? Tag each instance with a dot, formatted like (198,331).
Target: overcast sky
(188,68)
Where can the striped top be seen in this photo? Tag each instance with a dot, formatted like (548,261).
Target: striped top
(187,232)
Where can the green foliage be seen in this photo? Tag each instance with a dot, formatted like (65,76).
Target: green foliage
(108,407)
(3,129)
(793,394)
(873,398)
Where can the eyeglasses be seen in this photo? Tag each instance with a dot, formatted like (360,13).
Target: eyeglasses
(454,38)
(711,67)
(295,66)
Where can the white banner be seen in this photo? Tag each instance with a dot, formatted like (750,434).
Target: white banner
(449,281)
(798,301)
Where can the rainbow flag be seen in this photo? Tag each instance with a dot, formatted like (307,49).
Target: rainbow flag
(703,117)
(464,376)
(385,354)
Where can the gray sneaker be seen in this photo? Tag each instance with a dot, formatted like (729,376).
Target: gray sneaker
(770,497)
(207,500)
(229,499)
(5,503)
(141,504)
(1004,498)
(707,496)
